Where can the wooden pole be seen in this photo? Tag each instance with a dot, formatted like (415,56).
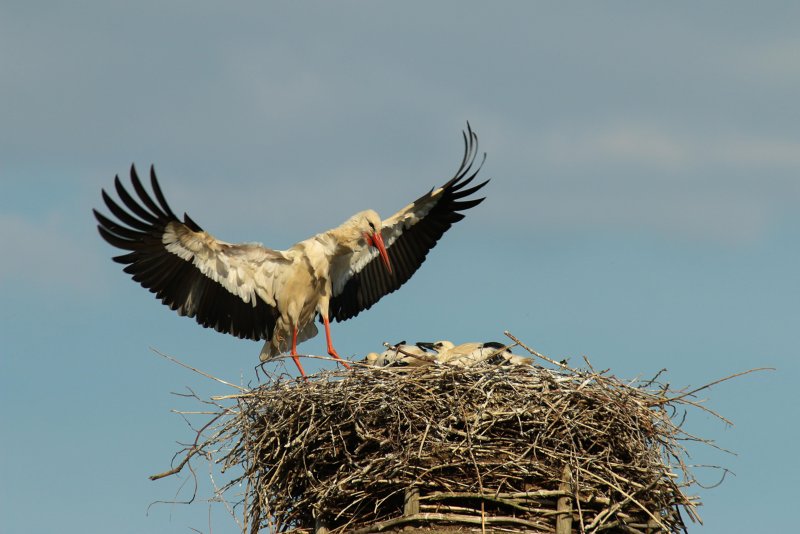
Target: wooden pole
(564,503)
(410,504)
(411,501)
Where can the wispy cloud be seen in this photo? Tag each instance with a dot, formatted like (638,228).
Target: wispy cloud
(776,58)
(615,144)
(727,187)
(629,143)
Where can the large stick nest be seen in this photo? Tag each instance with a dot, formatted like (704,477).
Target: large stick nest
(487,446)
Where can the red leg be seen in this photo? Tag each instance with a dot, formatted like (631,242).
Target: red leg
(294,352)
(331,350)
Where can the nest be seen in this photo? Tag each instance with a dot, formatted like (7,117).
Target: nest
(488,448)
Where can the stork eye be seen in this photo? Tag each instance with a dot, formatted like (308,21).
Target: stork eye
(371,225)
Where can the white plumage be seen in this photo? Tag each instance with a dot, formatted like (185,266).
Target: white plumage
(254,292)
(445,353)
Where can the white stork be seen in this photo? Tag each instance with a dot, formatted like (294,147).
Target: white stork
(250,291)
(445,353)
(401,355)
(474,353)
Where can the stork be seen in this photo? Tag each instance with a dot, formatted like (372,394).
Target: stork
(400,355)
(473,353)
(254,292)
(445,353)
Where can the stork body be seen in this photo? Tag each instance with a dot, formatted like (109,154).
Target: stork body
(254,292)
(445,353)
(401,355)
(474,353)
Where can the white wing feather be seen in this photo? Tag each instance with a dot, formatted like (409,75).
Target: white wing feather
(345,267)
(246,270)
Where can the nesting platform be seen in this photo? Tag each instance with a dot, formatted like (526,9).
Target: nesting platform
(448,449)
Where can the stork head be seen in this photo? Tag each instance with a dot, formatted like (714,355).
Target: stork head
(369,223)
(373,358)
(443,346)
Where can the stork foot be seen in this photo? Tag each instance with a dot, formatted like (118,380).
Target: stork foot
(299,367)
(332,352)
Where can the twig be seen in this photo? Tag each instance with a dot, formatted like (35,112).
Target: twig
(198,371)
(196,448)
(714,383)
(478,442)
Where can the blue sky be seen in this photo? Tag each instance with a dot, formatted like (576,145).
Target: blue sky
(642,212)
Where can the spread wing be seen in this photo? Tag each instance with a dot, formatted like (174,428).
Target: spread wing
(223,286)
(408,234)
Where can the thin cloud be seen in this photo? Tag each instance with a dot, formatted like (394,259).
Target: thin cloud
(758,152)
(643,144)
(617,144)
(727,187)
(775,58)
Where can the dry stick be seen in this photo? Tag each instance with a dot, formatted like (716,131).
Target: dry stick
(198,371)
(384,405)
(538,355)
(424,357)
(224,502)
(498,497)
(708,411)
(659,401)
(714,383)
(617,506)
(491,498)
(455,518)
(422,441)
(194,450)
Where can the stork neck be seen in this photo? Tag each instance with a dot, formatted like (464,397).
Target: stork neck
(344,239)
(330,244)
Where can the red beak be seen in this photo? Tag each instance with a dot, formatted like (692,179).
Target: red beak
(376,240)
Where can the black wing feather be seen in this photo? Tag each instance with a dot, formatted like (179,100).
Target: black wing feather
(131,203)
(409,250)
(145,196)
(173,280)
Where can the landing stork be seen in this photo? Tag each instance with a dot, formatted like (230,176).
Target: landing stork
(253,292)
